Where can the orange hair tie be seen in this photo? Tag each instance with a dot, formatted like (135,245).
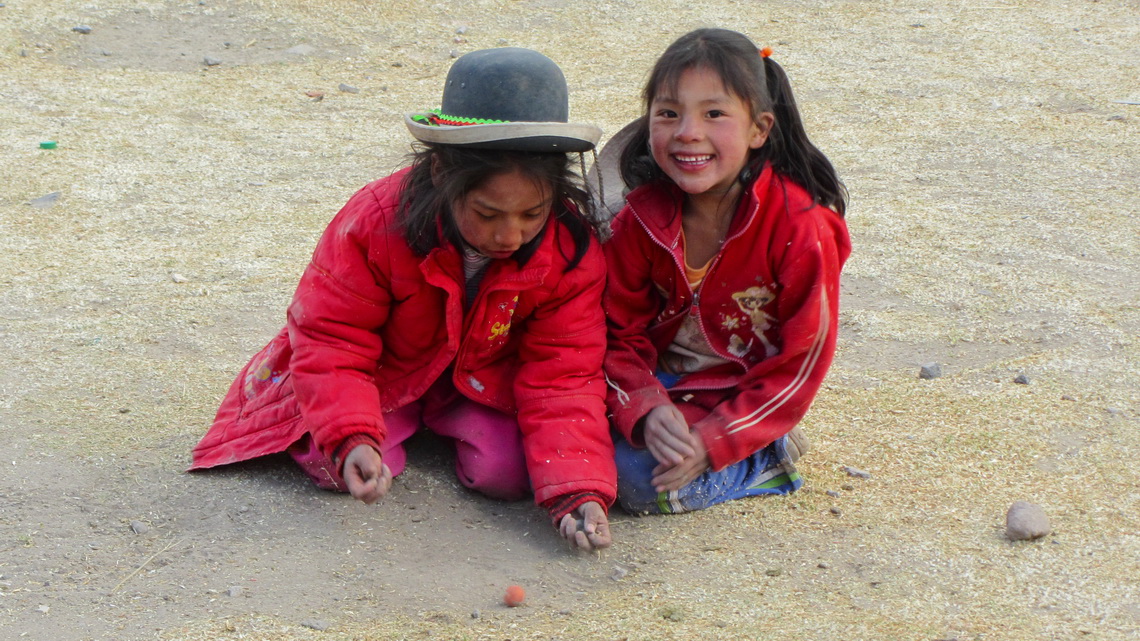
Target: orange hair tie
(766,52)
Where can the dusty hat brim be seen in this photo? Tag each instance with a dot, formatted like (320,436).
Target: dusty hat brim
(513,136)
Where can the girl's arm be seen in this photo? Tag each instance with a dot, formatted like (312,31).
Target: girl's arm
(339,305)
(560,393)
(776,393)
(631,303)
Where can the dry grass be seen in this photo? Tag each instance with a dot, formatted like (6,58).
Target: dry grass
(995,185)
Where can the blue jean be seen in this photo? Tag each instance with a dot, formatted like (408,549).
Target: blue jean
(768,471)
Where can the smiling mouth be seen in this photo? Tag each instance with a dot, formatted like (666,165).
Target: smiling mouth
(692,159)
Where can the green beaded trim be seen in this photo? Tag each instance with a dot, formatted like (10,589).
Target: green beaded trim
(440,116)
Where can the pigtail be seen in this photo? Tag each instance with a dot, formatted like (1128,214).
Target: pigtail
(789,149)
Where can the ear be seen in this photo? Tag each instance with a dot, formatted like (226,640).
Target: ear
(760,129)
(436,171)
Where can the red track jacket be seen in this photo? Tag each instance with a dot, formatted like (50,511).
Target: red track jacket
(372,326)
(768,303)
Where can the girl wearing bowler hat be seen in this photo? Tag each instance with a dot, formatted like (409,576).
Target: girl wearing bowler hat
(462,293)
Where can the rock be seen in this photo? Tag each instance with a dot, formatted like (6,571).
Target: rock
(235,590)
(461,30)
(138,527)
(475,613)
(848,487)
(348,88)
(833,494)
(84,29)
(318,624)
(774,571)
(823,565)
(1066,397)
(619,573)
(43,609)
(930,370)
(1021,379)
(46,201)
(454,53)
(178,278)
(1026,521)
(211,62)
(856,472)
(836,511)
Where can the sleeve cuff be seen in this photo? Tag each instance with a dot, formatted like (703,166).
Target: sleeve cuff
(350,443)
(560,506)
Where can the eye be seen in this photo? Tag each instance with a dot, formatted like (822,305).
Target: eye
(716,113)
(484,216)
(665,113)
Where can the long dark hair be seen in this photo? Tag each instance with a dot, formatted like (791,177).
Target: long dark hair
(764,86)
(425,207)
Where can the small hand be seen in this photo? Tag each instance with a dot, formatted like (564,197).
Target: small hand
(366,474)
(667,435)
(587,527)
(668,477)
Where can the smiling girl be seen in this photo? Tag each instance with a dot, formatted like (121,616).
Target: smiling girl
(723,287)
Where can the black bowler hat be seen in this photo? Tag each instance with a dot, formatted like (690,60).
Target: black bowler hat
(508,98)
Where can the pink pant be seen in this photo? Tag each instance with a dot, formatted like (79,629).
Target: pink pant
(488,444)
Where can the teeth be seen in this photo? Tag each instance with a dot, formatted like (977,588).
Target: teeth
(693,158)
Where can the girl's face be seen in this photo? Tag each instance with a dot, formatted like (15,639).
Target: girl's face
(503,214)
(701,137)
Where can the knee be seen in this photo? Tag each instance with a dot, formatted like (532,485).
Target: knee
(635,491)
(499,475)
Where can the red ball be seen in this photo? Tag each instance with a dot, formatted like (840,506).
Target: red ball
(515,596)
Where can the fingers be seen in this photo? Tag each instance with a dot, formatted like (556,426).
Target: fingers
(368,478)
(667,435)
(591,532)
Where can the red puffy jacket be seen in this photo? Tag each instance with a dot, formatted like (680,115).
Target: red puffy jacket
(769,304)
(372,326)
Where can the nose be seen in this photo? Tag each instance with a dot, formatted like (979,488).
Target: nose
(688,129)
(509,236)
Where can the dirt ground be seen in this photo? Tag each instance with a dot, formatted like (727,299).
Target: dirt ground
(991,154)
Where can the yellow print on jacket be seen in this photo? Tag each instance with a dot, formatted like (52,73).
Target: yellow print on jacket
(500,329)
(752,301)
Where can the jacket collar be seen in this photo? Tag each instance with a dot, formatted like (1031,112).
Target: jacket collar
(447,260)
(657,206)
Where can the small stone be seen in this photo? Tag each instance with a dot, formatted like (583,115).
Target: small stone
(672,613)
(823,565)
(138,527)
(454,53)
(774,571)
(124,410)
(1115,411)
(848,487)
(84,29)
(1066,397)
(1116,117)
(43,609)
(1021,379)
(235,590)
(475,613)
(46,201)
(836,511)
(930,370)
(856,472)
(178,278)
(461,30)
(833,494)
(720,623)
(397,64)
(348,88)
(211,62)
(318,624)
(619,573)
(1026,521)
